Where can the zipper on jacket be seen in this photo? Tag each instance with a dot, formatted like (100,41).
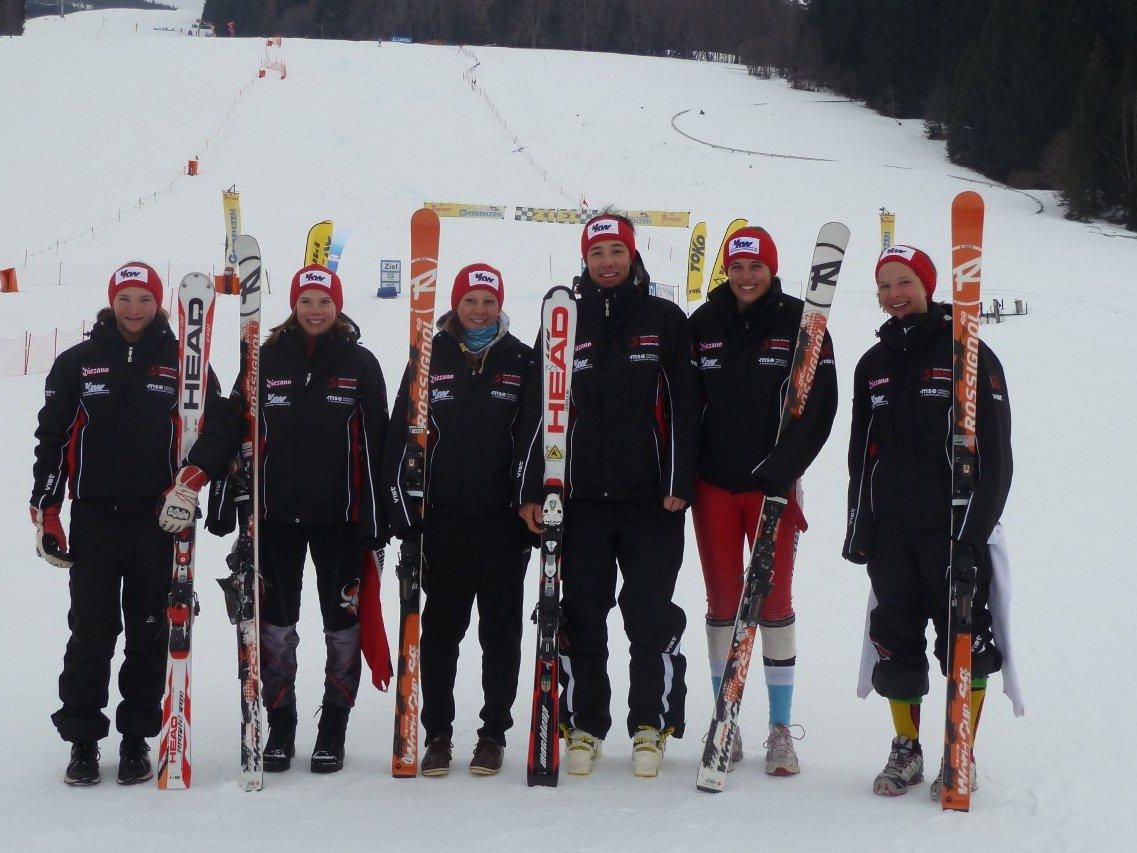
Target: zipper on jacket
(307,379)
(130,355)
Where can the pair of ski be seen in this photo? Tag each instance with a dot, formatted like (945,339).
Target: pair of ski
(195,322)
(967,250)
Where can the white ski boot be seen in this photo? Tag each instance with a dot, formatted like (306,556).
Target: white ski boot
(647,751)
(905,768)
(582,752)
(781,759)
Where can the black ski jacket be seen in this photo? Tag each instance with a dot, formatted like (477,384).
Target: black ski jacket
(744,366)
(633,414)
(323,422)
(108,425)
(471,443)
(900,443)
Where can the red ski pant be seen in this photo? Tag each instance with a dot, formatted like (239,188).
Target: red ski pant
(722,522)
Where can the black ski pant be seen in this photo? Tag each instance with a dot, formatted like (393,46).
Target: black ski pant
(472,559)
(646,541)
(338,557)
(121,577)
(908,570)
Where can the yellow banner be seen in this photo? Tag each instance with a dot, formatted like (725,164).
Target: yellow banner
(887,230)
(319,244)
(231,205)
(660,218)
(696,258)
(718,274)
(466,211)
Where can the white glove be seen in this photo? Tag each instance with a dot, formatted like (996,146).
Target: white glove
(51,541)
(179,510)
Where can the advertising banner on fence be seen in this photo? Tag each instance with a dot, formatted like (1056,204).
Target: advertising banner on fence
(466,211)
(576,216)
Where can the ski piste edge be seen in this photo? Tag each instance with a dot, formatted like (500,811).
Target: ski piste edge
(967,212)
(828,256)
(425,234)
(196,300)
(558,336)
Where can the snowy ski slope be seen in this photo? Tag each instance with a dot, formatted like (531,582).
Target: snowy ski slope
(101,110)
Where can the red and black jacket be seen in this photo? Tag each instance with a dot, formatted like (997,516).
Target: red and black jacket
(474,406)
(323,421)
(900,442)
(744,365)
(108,426)
(633,430)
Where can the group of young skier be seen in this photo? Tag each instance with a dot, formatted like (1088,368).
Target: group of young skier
(667,413)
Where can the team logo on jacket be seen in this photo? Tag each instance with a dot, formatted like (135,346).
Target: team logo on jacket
(643,341)
(772,361)
(641,357)
(709,345)
(708,363)
(157,388)
(273,401)
(776,344)
(876,383)
(343,383)
(878,400)
(507,379)
(277,383)
(340,400)
(440,395)
(938,393)
(95,371)
(95,389)
(579,364)
(582,346)
(937,374)
(441,377)
(504,395)
(349,597)
(164,372)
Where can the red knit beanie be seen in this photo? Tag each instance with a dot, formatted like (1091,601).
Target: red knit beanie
(135,274)
(315,275)
(915,260)
(605,227)
(751,243)
(477,277)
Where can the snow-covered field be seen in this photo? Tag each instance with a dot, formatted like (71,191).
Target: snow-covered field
(101,111)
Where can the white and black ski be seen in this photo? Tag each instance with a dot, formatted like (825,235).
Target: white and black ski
(242,586)
(195,324)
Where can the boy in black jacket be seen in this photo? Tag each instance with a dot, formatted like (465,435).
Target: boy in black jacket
(631,468)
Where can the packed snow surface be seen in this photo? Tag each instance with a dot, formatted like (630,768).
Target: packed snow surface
(101,112)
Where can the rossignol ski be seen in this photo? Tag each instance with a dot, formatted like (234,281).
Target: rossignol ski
(241,587)
(966,263)
(827,256)
(195,330)
(558,332)
(424,277)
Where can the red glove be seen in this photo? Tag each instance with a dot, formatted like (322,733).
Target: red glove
(179,509)
(51,541)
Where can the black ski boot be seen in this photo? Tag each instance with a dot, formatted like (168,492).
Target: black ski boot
(83,769)
(281,744)
(134,760)
(327,757)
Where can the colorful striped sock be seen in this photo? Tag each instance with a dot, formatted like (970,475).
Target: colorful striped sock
(906,717)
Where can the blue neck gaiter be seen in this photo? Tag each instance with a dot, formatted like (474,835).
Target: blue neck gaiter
(477,340)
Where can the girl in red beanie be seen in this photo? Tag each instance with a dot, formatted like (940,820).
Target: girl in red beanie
(105,433)
(900,486)
(474,544)
(744,337)
(323,421)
